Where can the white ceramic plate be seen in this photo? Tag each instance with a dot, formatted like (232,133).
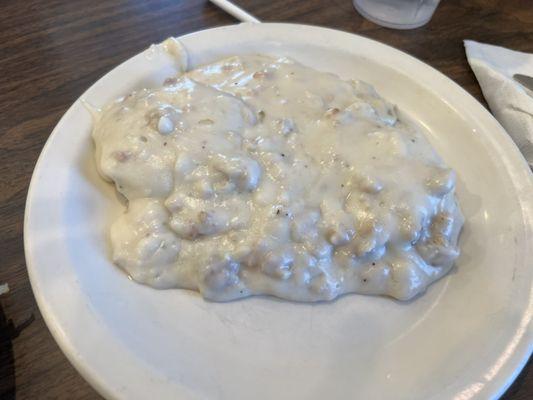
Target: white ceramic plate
(467,337)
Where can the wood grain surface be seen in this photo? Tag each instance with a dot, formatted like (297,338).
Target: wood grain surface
(51,51)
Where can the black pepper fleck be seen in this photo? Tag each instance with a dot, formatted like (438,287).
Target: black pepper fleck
(164,144)
(283,154)
(342,184)
(413,140)
(364,280)
(277,212)
(373,263)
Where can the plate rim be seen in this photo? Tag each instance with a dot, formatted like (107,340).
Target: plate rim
(515,164)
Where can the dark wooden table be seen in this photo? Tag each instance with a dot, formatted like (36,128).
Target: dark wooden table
(51,51)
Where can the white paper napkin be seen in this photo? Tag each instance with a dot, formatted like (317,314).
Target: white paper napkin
(509,101)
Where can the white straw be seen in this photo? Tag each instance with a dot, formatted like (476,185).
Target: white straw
(235,11)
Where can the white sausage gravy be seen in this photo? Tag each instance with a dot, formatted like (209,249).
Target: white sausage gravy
(259,175)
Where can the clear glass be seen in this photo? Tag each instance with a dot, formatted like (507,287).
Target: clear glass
(398,14)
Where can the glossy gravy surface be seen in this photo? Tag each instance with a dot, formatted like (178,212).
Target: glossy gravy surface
(258,175)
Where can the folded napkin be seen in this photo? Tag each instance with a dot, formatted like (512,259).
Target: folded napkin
(509,101)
